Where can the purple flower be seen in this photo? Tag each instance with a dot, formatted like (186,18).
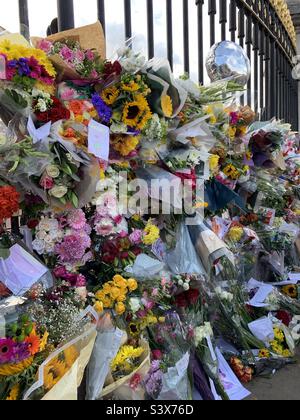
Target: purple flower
(104,111)
(7,350)
(21,352)
(153,381)
(23,67)
(73,247)
(234,118)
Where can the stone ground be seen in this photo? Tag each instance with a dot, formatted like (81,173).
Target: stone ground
(284,386)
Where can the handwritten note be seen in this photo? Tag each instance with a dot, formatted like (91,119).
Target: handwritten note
(38,134)
(98,139)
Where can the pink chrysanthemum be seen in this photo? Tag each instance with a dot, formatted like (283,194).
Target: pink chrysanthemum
(77,219)
(73,248)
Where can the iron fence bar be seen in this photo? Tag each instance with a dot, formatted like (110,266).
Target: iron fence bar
(248,42)
(186,36)
(150,28)
(101,13)
(261,71)
(169,31)
(256,51)
(128,21)
(212,11)
(199,4)
(65,13)
(24,18)
(223,18)
(232,20)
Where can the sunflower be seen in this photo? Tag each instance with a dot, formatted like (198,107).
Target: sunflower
(134,329)
(15,369)
(59,368)
(291,291)
(231,172)
(137,113)
(110,95)
(71,355)
(131,86)
(125,144)
(279,335)
(264,354)
(49,378)
(167,106)
(14,393)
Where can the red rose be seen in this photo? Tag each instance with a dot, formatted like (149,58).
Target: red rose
(285,317)
(32,224)
(181,301)
(193,296)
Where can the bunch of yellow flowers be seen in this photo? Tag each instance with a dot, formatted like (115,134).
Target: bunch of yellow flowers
(114,293)
(151,234)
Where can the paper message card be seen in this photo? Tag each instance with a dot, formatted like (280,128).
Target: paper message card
(20,271)
(40,133)
(98,139)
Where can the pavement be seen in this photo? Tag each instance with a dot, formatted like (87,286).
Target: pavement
(283,386)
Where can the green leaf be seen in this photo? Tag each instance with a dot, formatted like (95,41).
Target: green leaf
(4,253)
(75,200)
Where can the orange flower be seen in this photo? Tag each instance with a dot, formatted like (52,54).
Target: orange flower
(77,107)
(69,133)
(34,343)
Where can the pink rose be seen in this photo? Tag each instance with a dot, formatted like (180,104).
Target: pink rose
(60,272)
(79,55)
(90,55)
(157,355)
(45,45)
(46,182)
(136,237)
(94,74)
(66,53)
(118,219)
(68,94)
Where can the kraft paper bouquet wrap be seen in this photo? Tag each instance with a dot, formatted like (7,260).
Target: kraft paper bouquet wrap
(61,374)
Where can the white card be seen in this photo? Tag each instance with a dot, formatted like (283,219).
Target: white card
(2,68)
(40,133)
(99,140)
(183,364)
(20,271)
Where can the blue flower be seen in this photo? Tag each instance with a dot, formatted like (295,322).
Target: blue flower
(104,111)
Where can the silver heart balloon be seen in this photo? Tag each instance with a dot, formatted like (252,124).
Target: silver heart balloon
(228,60)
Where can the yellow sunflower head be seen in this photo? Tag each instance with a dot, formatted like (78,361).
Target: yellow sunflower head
(167,106)
(110,95)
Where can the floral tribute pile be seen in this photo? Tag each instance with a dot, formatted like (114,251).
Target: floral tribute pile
(185,296)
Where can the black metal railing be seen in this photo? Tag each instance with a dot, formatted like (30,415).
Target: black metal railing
(254,24)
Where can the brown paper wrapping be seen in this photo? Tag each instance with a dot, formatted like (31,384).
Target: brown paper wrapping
(90,37)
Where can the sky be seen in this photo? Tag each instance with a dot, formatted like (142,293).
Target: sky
(42,12)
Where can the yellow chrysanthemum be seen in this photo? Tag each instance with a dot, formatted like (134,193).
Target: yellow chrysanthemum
(110,95)
(214,162)
(14,393)
(137,113)
(45,88)
(151,234)
(167,106)
(126,355)
(279,335)
(235,234)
